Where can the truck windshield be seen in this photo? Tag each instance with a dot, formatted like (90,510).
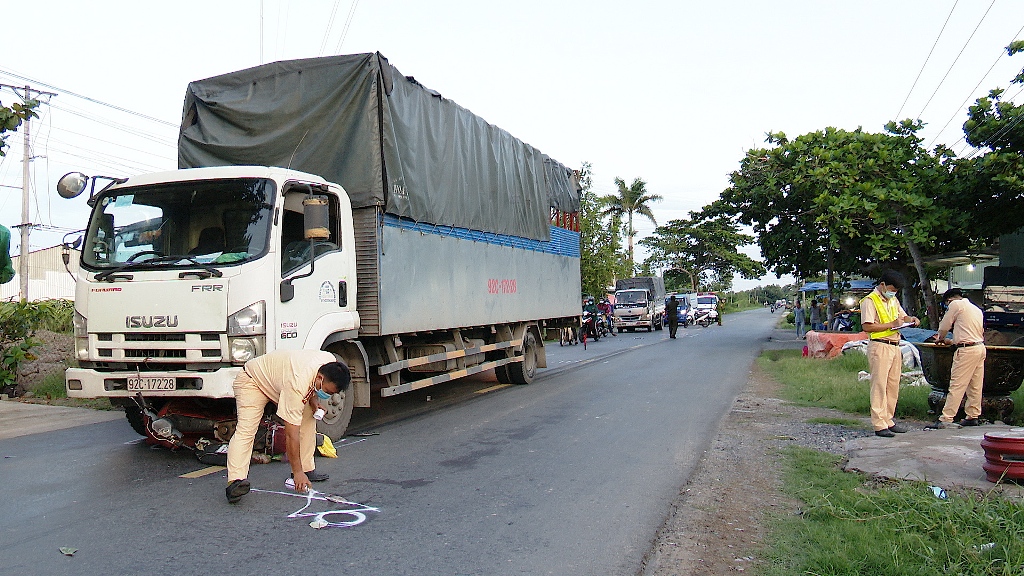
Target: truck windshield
(216,222)
(706,300)
(631,298)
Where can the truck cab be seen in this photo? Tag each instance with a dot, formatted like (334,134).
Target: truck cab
(636,308)
(187,275)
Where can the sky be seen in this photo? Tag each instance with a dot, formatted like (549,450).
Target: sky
(673,92)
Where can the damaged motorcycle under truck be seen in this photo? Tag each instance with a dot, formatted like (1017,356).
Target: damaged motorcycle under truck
(407,236)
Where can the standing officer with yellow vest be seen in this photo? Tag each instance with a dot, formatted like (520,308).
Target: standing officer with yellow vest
(880,315)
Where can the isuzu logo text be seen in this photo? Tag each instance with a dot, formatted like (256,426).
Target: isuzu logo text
(150,321)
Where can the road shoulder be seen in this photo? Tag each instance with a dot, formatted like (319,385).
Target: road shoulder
(718,522)
(22,418)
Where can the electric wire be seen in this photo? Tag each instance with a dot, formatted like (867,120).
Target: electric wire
(330,24)
(957,59)
(960,108)
(348,22)
(93,100)
(919,72)
(999,133)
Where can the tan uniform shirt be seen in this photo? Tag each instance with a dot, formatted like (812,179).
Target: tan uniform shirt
(286,377)
(869,314)
(966,320)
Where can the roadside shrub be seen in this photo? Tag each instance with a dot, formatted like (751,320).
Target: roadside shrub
(18,324)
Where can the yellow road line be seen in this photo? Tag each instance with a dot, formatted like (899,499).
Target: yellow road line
(203,472)
(493,388)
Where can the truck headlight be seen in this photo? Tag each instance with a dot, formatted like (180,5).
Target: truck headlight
(244,349)
(81,336)
(249,321)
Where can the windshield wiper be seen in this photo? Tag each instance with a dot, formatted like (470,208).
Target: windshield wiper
(109,275)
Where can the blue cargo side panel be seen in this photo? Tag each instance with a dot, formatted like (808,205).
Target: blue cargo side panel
(440,277)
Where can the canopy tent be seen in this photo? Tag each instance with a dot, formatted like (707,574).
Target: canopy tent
(848,286)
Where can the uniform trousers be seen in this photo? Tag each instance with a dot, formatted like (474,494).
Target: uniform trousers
(886,362)
(250,403)
(967,376)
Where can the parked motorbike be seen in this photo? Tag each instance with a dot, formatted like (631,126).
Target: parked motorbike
(703,317)
(843,321)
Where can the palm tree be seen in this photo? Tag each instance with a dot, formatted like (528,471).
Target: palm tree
(629,200)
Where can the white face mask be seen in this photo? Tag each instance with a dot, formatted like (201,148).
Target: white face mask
(889,294)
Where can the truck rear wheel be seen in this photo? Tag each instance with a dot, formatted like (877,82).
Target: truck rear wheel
(339,413)
(523,372)
(501,373)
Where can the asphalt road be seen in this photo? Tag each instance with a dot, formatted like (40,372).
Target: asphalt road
(573,474)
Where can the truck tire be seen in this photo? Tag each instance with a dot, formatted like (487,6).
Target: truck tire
(136,419)
(339,413)
(523,372)
(660,325)
(501,373)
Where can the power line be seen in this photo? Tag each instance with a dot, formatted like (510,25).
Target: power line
(348,22)
(961,106)
(934,44)
(330,24)
(999,133)
(93,100)
(955,60)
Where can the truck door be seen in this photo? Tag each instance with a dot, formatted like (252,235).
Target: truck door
(318,296)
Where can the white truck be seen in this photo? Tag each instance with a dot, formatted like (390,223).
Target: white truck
(419,244)
(639,303)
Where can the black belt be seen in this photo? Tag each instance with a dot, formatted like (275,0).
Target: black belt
(966,344)
(889,342)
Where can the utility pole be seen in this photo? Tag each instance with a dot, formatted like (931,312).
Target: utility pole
(26,175)
(26,227)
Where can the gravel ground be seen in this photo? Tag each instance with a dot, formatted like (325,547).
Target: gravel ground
(717,525)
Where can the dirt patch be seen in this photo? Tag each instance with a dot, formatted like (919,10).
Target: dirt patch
(717,525)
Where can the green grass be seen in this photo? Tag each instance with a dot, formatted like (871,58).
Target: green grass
(833,383)
(52,391)
(852,525)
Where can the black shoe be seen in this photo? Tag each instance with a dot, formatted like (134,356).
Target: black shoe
(898,428)
(236,489)
(313,476)
(885,433)
(940,425)
(969,422)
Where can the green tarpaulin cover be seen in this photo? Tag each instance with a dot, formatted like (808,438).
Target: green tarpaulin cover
(387,139)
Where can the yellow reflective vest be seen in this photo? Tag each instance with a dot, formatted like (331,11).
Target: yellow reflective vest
(887,312)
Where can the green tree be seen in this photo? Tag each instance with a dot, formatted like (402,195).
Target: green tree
(991,184)
(704,249)
(600,243)
(629,200)
(12,117)
(858,199)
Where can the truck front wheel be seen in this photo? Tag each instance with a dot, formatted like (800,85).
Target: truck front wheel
(523,372)
(339,413)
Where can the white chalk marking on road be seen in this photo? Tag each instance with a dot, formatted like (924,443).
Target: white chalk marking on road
(493,388)
(136,441)
(355,510)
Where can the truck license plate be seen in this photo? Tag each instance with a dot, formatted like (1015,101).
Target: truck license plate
(151,384)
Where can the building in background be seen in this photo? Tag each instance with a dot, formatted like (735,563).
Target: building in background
(47,276)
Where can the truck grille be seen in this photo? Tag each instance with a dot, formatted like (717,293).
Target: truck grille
(167,347)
